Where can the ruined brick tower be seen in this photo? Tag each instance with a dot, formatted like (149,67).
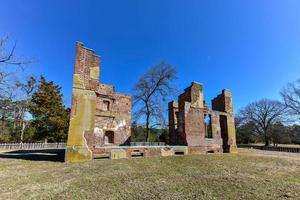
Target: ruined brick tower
(193,124)
(99,115)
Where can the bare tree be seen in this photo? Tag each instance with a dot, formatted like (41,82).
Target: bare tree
(5,113)
(14,95)
(291,97)
(22,106)
(8,58)
(7,54)
(262,115)
(150,91)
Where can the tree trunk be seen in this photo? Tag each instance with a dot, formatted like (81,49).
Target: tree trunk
(267,142)
(14,124)
(22,132)
(148,127)
(2,125)
(148,113)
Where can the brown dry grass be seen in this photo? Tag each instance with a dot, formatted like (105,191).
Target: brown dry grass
(248,175)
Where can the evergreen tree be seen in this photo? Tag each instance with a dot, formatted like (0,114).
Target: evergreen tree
(50,118)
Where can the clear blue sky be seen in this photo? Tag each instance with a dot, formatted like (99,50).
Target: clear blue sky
(251,47)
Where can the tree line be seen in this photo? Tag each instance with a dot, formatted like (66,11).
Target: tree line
(31,109)
(271,121)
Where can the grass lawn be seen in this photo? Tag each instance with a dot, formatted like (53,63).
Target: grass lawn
(242,176)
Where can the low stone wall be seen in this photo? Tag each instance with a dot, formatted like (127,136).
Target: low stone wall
(205,149)
(118,152)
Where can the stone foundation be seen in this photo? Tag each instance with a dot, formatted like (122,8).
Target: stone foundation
(145,152)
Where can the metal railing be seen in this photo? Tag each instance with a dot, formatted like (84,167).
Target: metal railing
(147,144)
(271,148)
(32,146)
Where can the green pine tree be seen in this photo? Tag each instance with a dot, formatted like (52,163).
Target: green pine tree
(50,117)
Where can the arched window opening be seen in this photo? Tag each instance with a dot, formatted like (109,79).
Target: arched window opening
(106,105)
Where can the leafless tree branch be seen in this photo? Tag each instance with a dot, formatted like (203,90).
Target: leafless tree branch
(262,114)
(150,91)
(291,97)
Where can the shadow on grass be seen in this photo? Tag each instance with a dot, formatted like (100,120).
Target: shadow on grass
(54,155)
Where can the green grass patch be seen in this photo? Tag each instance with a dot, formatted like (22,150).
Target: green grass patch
(187,177)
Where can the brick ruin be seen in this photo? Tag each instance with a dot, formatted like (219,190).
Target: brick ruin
(100,121)
(193,124)
(99,115)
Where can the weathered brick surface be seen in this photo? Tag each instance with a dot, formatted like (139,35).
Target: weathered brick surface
(223,102)
(188,126)
(205,149)
(130,152)
(173,115)
(153,152)
(99,115)
(113,113)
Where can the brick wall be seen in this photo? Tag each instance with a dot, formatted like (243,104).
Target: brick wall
(99,115)
(189,127)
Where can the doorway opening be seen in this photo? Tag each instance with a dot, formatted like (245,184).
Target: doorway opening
(224,133)
(109,137)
